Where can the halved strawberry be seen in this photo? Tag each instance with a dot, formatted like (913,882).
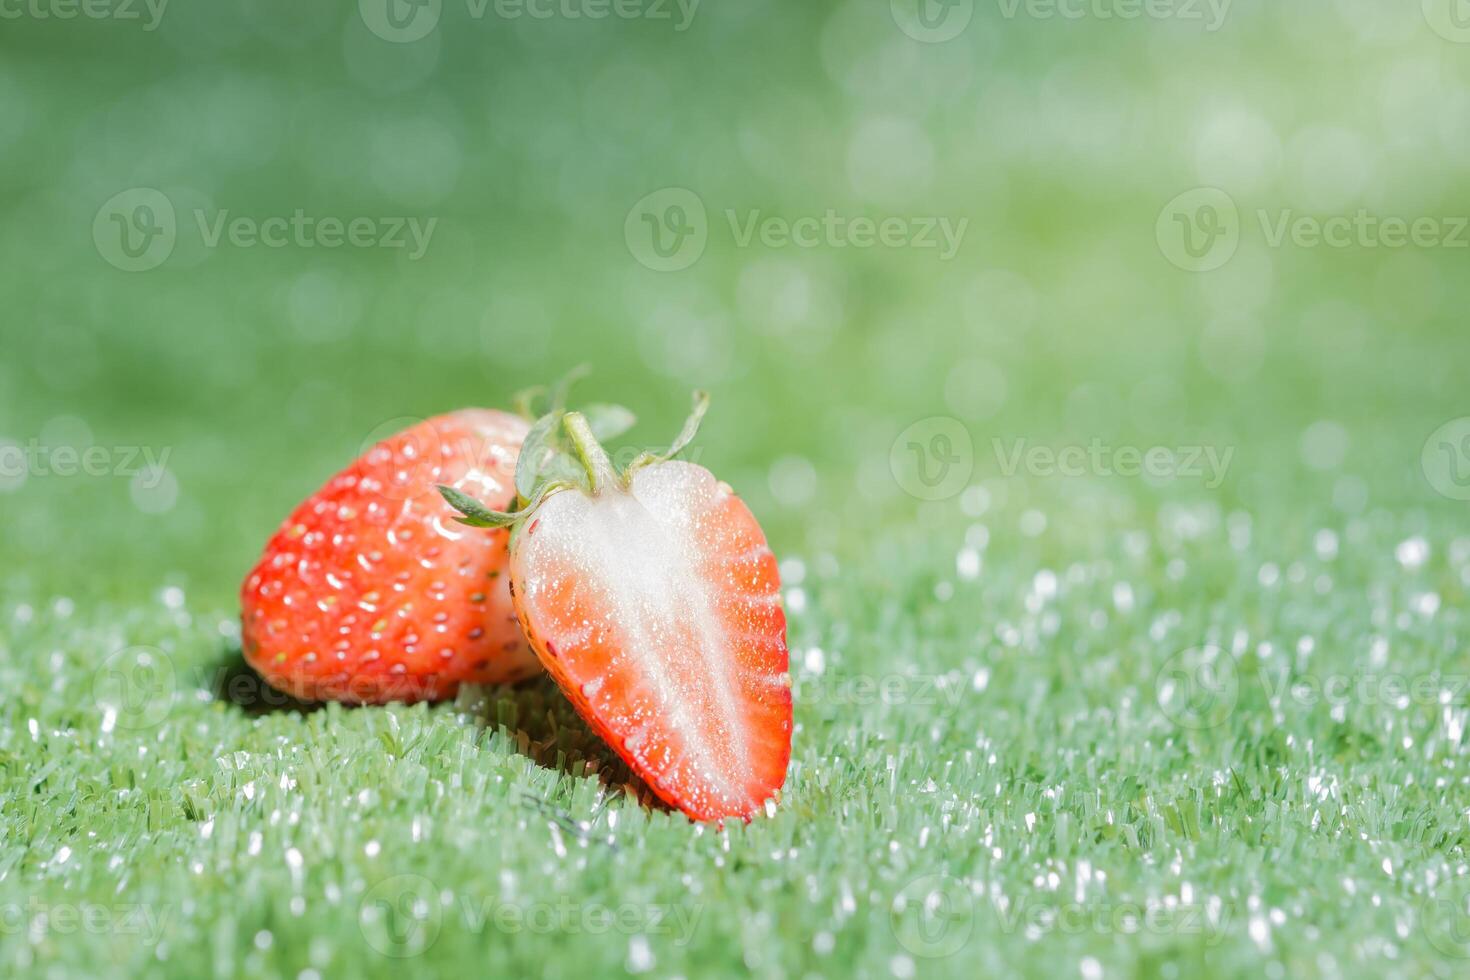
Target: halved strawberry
(371,592)
(653,599)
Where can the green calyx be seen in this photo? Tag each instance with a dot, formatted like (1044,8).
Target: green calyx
(564,451)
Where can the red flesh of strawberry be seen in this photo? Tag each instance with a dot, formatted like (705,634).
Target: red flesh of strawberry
(657,609)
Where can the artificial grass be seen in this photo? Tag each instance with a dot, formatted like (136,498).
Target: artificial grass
(992,775)
(1010,757)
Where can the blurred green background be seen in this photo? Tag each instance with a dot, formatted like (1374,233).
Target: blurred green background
(528,140)
(1118,188)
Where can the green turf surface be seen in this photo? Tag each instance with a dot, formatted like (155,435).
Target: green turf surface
(1064,719)
(1007,747)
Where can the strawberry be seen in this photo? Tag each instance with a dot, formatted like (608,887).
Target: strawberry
(652,598)
(370,592)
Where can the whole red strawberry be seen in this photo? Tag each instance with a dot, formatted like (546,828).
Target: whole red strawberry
(371,592)
(652,598)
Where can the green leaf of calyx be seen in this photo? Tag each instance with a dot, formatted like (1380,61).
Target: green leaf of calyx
(474,513)
(682,441)
(691,425)
(542,443)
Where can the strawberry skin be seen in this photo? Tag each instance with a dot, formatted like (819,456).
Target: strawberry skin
(370,592)
(655,604)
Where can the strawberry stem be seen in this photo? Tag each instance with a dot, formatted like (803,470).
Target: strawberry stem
(594,458)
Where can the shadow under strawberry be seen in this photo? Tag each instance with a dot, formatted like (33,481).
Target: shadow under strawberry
(546,728)
(234,681)
(534,714)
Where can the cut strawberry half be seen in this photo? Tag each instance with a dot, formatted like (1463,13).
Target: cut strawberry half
(652,598)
